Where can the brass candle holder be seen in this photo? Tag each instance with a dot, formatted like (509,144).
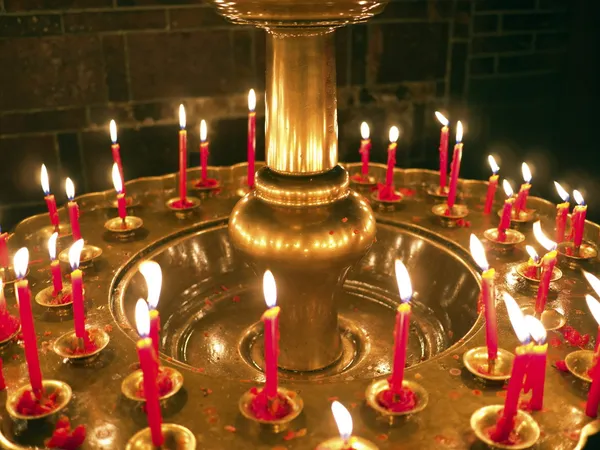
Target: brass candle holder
(574,256)
(51,387)
(8,276)
(295,403)
(89,254)
(436,194)
(61,301)
(477,362)
(354,443)
(183,211)
(520,219)
(388,205)
(66,346)
(513,238)
(379,386)
(526,428)
(9,338)
(176,437)
(552,319)
(579,363)
(521,270)
(452,218)
(130,387)
(123,228)
(363,183)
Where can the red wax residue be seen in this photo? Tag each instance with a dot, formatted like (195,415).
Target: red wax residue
(561,365)
(405,401)
(264,409)
(60,299)
(573,337)
(65,439)
(360,178)
(555,342)
(513,437)
(531,272)
(209,182)
(178,204)
(164,381)
(28,405)
(387,194)
(89,345)
(8,324)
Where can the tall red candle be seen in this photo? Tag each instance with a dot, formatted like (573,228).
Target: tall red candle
(116,150)
(455,166)
(73,210)
(536,375)
(578,219)
(4,261)
(506,211)
(443,151)
(391,161)
(251,136)
(118,183)
(77,289)
(55,265)
(270,321)
(402,328)
(21,261)
(562,212)
(492,186)
(203,151)
(152,273)
(593,400)
(521,203)
(182,157)
(548,263)
(365,148)
(50,200)
(2,380)
(149,366)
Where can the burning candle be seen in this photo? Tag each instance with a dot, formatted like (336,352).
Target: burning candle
(394,134)
(536,375)
(50,200)
(204,150)
(55,265)
(182,158)
(121,203)
(401,329)
(443,151)
(21,260)
(521,203)
(595,283)
(506,422)
(149,366)
(116,150)
(488,295)
(251,136)
(593,400)
(548,263)
(562,212)
(346,441)
(77,288)
(533,264)
(578,219)
(73,210)
(365,148)
(270,321)
(4,261)
(492,185)
(506,212)
(153,276)
(455,166)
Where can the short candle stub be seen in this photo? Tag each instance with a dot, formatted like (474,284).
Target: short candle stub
(175,436)
(276,425)
(525,434)
(497,371)
(375,389)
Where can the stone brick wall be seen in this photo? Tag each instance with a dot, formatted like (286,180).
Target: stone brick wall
(69,66)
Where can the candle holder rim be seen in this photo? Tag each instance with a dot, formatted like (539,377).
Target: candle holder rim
(132,223)
(469,360)
(372,181)
(459,211)
(195,204)
(197,186)
(62,342)
(478,424)
(586,357)
(11,337)
(335,442)
(142,440)
(520,269)
(130,384)
(12,279)
(47,292)
(48,385)
(491,235)
(433,192)
(585,245)
(531,215)
(381,385)
(89,253)
(295,401)
(375,198)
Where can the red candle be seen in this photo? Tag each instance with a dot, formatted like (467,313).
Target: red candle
(443,151)
(492,186)
(251,136)
(521,203)
(401,329)
(365,149)
(54,265)
(118,183)
(578,219)
(2,381)
(21,261)
(4,261)
(455,166)
(536,376)
(116,150)
(488,295)
(562,212)
(391,161)
(533,263)
(50,200)
(548,263)
(153,276)
(203,151)
(149,366)
(77,288)
(270,321)
(593,400)
(506,212)
(182,157)
(73,210)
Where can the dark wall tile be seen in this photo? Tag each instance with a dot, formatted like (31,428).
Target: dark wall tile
(51,72)
(71,164)
(28,5)
(358,57)
(523,63)
(431,10)
(503,5)
(482,65)
(22,26)
(11,215)
(115,67)
(260,48)
(155,2)
(342,55)
(93,22)
(551,41)
(28,122)
(486,24)
(458,71)
(555,4)
(498,44)
(97,158)
(518,89)
(537,21)
(228,138)
(102,115)
(183,18)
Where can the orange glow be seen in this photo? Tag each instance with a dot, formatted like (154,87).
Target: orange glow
(203,130)
(142,318)
(441,118)
(251,100)
(526,172)
(403,280)
(70,188)
(52,245)
(394,134)
(20,262)
(478,252)
(269,289)
(113,131)
(152,273)
(459,132)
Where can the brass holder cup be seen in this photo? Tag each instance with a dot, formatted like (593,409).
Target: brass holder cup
(63,397)
(276,426)
(573,256)
(498,371)
(387,205)
(130,202)
(451,220)
(513,238)
(579,364)
(523,218)
(11,337)
(123,228)
(378,386)
(88,255)
(62,301)
(552,319)
(183,212)
(176,437)
(526,427)
(361,183)
(522,270)
(131,384)
(64,345)
(8,276)
(355,443)
(434,193)
(207,189)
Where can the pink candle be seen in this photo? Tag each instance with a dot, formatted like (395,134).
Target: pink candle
(203,151)
(521,203)
(77,289)
(118,183)
(73,210)
(251,136)
(116,150)
(365,148)
(152,273)
(182,157)
(391,161)
(593,400)
(492,186)
(4,261)
(536,376)
(50,200)
(443,151)
(270,321)
(455,166)
(402,328)
(579,213)
(562,212)
(2,380)
(548,263)
(55,265)
(506,211)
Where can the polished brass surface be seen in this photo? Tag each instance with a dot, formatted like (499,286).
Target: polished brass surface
(176,438)
(131,384)
(89,254)
(476,361)
(63,397)
(378,386)
(587,252)
(580,363)
(123,229)
(357,443)
(526,428)
(63,346)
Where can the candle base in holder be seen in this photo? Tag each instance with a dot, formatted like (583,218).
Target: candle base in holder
(378,387)
(176,437)
(8,276)
(62,301)
(522,271)
(293,400)
(453,218)
(362,182)
(205,187)
(123,228)
(9,337)
(476,361)
(524,217)
(170,382)
(183,210)
(579,363)
(552,319)
(89,254)
(573,256)
(436,193)
(354,443)
(513,238)
(69,346)
(386,204)
(526,428)
(130,202)
(57,395)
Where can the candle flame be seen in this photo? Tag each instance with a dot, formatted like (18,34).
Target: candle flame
(20,262)
(578,197)
(442,118)
(516,318)
(343,420)
(478,252)
(593,280)
(532,253)
(563,194)
(536,329)
(75,254)
(44,179)
(70,188)
(493,164)
(364,130)
(459,132)
(403,281)
(544,240)
(116,177)
(594,307)
(142,318)
(526,171)
(508,190)
(181,117)
(153,275)
(203,130)
(52,245)
(394,134)
(269,289)
(251,100)
(113,131)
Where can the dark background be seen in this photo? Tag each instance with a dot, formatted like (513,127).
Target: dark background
(521,74)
